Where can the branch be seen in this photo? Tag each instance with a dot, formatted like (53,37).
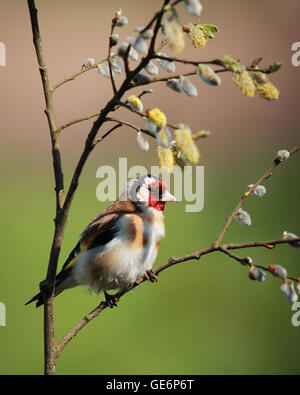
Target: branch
(136,128)
(103,305)
(268,174)
(73,76)
(145,131)
(177,76)
(164,79)
(47,287)
(169,263)
(142,115)
(66,125)
(216,62)
(186,61)
(126,61)
(246,262)
(113,24)
(108,133)
(270,244)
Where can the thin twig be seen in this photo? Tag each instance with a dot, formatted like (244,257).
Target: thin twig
(126,61)
(113,24)
(177,76)
(270,244)
(247,194)
(142,115)
(247,262)
(216,62)
(73,76)
(108,133)
(136,128)
(66,125)
(48,286)
(164,79)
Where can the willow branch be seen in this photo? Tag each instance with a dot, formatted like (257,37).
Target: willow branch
(188,74)
(245,196)
(246,262)
(126,60)
(136,128)
(108,133)
(125,123)
(86,118)
(103,305)
(267,244)
(142,115)
(186,61)
(113,24)
(75,75)
(169,263)
(216,62)
(47,287)
(164,79)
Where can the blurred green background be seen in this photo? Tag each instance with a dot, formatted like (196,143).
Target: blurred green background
(201,317)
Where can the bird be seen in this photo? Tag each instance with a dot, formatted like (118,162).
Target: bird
(119,245)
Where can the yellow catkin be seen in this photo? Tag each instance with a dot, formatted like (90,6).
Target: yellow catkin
(196,35)
(135,102)
(244,81)
(206,72)
(268,91)
(166,159)
(179,158)
(264,87)
(231,64)
(186,144)
(163,136)
(174,35)
(157,117)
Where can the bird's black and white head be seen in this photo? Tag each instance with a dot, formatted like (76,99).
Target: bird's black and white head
(148,191)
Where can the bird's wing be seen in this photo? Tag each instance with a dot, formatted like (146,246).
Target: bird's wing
(100,231)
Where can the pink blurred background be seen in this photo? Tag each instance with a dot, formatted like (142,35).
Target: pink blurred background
(75,30)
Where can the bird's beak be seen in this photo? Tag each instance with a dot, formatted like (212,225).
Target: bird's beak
(167,197)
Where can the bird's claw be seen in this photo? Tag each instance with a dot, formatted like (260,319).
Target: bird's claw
(111,300)
(150,276)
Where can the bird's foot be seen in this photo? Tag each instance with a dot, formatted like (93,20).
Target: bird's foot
(111,300)
(150,276)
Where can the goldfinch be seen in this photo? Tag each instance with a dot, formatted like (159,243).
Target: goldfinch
(120,245)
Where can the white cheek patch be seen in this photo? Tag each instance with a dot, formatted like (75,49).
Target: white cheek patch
(143,194)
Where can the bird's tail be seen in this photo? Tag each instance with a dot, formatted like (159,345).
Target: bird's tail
(59,287)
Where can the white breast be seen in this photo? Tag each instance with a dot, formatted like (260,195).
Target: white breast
(124,263)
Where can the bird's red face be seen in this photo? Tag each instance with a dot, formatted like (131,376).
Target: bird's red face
(159,195)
